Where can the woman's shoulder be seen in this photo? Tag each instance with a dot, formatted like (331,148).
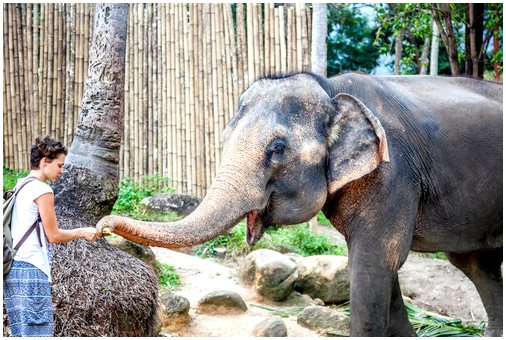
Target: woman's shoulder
(36,186)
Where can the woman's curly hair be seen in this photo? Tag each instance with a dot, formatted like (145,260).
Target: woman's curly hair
(45,147)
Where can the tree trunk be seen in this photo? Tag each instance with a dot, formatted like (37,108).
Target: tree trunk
(424,59)
(497,65)
(474,40)
(398,52)
(447,35)
(318,58)
(319,39)
(89,278)
(434,50)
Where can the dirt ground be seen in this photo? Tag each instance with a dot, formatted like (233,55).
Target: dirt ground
(434,285)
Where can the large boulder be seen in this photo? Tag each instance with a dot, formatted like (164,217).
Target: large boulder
(271,327)
(325,277)
(324,321)
(271,274)
(222,302)
(165,203)
(139,251)
(174,311)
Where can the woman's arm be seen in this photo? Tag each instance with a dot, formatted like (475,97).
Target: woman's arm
(55,234)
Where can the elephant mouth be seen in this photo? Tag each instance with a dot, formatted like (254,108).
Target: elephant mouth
(256,225)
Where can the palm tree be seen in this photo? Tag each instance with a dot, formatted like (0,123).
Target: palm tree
(97,289)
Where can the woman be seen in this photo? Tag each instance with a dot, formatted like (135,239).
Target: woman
(27,287)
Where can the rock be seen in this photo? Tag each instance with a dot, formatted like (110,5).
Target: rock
(170,203)
(325,277)
(271,327)
(174,311)
(222,302)
(139,251)
(271,274)
(324,320)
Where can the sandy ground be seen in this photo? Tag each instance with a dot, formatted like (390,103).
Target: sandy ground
(432,284)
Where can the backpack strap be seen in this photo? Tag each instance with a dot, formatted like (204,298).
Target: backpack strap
(26,181)
(35,225)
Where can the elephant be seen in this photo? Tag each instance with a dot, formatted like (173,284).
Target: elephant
(396,163)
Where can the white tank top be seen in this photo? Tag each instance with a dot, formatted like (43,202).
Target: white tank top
(24,213)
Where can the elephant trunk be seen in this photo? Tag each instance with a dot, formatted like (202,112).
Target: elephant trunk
(224,206)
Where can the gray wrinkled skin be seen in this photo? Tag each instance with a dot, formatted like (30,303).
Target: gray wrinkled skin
(396,163)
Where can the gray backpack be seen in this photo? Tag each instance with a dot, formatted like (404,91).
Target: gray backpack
(9,249)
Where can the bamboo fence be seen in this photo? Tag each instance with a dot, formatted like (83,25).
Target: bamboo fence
(186,66)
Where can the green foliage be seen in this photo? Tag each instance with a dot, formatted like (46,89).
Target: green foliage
(350,40)
(298,237)
(323,220)
(10,178)
(131,193)
(429,324)
(169,278)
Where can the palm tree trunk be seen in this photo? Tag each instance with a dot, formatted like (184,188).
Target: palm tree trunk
(319,40)
(88,277)
(434,50)
(398,52)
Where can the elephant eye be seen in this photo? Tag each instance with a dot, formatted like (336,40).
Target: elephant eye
(278,148)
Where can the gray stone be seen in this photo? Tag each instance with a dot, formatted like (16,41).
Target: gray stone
(271,274)
(222,302)
(324,320)
(325,277)
(271,327)
(174,311)
(170,203)
(139,251)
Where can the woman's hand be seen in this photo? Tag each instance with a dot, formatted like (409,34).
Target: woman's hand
(90,233)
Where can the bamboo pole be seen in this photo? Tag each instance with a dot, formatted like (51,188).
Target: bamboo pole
(200,57)
(78,60)
(253,23)
(267,39)
(148,90)
(35,67)
(172,92)
(306,65)
(27,45)
(157,23)
(309,35)
(57,88)
(272,41)
(125,145)
(193,99)
(231,62)
(179,103)
(218,34)
(186,112)
(69,72)
(251,45)
(145,83)
(242,58)
(290,39)
(298,13)
(207,55)
(138,90)
(8,114)
(15,105)
(282,37)
(277,46)
(20,80)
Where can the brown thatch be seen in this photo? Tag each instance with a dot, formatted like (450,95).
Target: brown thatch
(122,302)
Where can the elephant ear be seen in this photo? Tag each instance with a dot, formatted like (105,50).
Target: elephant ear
(357,142)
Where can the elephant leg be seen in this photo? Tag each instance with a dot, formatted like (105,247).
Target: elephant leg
(375,298)
(483,268)
(399,323)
